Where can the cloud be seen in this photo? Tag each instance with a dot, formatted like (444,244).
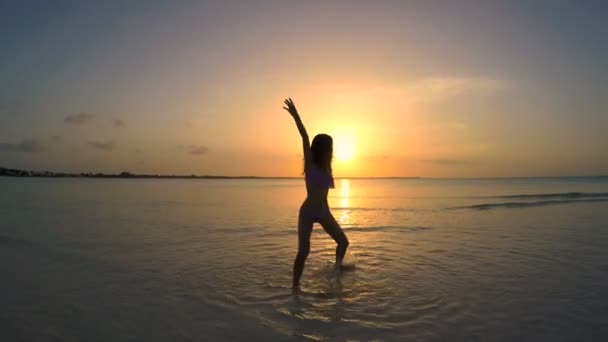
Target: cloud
(460,126)
(102,145)
(26,145)
(448,161)
(79,119)
(118,122)
(451,86)
(196,150)
(398,97)
(10,106)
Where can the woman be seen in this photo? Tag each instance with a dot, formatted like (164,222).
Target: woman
(318,176)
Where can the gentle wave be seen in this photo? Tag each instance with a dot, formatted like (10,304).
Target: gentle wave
(486,206)
(373,209)
(564,195)
(387,228)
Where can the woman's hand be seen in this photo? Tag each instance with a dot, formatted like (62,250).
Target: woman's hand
(291,108)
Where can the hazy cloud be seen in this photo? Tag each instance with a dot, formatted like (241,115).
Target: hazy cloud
(414,91)
(10,106)
(198,150)
(447,161)
(460,126)
(459,85)
(26,145)
(102,145)
(194,149)
(79,119)
(118,122)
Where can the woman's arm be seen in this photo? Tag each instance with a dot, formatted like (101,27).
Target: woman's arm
(291,108)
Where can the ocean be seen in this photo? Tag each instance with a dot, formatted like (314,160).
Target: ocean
(211,260)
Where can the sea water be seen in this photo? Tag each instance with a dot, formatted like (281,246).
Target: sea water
(209,260)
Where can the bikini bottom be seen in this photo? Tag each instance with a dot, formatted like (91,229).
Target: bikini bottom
(315,214)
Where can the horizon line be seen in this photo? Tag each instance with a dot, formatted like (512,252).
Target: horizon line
(7,172)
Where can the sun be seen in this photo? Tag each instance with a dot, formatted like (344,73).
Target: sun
(344,148)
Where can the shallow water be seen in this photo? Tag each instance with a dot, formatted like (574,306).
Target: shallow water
(145,259)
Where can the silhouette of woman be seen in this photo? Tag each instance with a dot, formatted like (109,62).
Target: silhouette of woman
(318,177)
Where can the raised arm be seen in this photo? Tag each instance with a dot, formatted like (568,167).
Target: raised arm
(291,108)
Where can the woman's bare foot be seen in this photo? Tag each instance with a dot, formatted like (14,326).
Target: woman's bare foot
(339,267)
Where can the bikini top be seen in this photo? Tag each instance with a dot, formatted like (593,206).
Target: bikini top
(319,178)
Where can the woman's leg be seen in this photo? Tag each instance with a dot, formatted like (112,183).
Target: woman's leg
(333,229)
(304,230)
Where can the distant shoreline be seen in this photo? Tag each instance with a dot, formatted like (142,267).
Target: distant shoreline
(125,174)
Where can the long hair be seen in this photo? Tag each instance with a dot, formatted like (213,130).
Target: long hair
(322,152)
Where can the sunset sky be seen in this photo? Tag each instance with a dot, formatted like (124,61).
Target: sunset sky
(406,88)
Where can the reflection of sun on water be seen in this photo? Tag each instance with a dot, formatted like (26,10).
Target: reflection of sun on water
(344,189)
(344,204)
